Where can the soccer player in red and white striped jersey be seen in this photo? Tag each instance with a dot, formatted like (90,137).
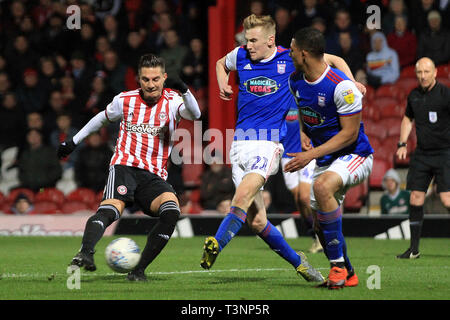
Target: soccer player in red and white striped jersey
(138,169)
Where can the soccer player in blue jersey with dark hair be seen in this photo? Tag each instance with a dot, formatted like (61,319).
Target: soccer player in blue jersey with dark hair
(330,108)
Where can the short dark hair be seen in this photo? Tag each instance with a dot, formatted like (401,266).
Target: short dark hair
(311,40)
(150,60)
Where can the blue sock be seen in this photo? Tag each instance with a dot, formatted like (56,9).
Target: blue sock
(230,226)
(277,243)
(348,265)
(331,224)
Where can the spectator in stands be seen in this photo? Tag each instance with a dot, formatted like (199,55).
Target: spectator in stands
(102,46)
(13,122)
(54,37)
(285,28)
(86,41)
(114,33)
(32,94)
(22,205)
(67,85)
(403,41)
(382,62)
(49,73)
(434,43)
(396,8)
(156,38)
(64,131)
(342,23)
(82,74)
(173,55)
(116,72)
(29,30)
(319,24)
(419,14)
(20,57)
(134,49)
(394,200)
(5,84)
(91,165)
(195,65)
(217,185)
(38,165)
(350,53)
(54,108)
(99,97)
(309,10)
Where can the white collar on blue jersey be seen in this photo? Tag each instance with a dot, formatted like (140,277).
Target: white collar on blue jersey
(271,57)
(320,78)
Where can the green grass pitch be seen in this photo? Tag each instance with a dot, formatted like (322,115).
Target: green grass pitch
(36,268)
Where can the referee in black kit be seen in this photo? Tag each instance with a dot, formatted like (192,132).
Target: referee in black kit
(429,106)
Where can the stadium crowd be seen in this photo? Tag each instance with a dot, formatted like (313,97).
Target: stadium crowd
(53,80)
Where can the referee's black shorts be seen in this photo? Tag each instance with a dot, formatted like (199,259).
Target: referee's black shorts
(134,185)
(424,165)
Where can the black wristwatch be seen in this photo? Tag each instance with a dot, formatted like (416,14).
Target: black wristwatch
(401,144)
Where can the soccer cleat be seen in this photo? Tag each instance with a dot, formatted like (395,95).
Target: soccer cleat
(137,275)
(408,254)
(352,279)
(85,260)
(337,278)
(316,246)
(307,271)
(210,252)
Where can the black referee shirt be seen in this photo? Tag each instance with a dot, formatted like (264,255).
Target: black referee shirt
(431,112)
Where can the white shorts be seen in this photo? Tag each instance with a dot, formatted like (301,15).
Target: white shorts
(257,156)
(293,179)
(353,170)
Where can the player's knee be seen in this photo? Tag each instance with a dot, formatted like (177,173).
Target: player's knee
(321,190)
(169,212)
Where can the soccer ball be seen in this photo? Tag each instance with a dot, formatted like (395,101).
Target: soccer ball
(122,255)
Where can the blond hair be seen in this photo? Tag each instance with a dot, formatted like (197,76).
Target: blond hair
(266,22)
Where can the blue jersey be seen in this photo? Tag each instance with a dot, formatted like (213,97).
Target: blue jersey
(264,98)
(321,103)
(291,141)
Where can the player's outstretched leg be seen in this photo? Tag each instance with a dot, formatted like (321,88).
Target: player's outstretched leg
(228,228)
(93,232)
(159,236)
(277,243)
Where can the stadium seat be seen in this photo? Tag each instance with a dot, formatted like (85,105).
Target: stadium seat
(5,207)
(45,207)
(375,129)
(380,167)
(444,81)
(371,112)
(355,198)
(370,93)
(192,174)
(392,125)
(408,72)
(374,142)
(15,192)
(85,195)
(75,206)
(390,91)
(443,71)
(407,84)
(389,110)
(51,194)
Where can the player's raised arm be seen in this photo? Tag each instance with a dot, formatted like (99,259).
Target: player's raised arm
(222,73)
(189,109)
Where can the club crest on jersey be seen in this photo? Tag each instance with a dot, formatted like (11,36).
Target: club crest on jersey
(311,117)
(122,189)
(162,116)
(432,116)
(281,67)
(321,101)
(261,86)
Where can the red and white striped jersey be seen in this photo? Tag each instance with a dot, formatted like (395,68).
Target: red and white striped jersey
(144,137)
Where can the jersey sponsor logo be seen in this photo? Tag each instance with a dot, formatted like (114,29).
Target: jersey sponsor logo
(122,189)
(144,128)
(261,86)
(310,117)
(349,96)
(432,116)
(292,116)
